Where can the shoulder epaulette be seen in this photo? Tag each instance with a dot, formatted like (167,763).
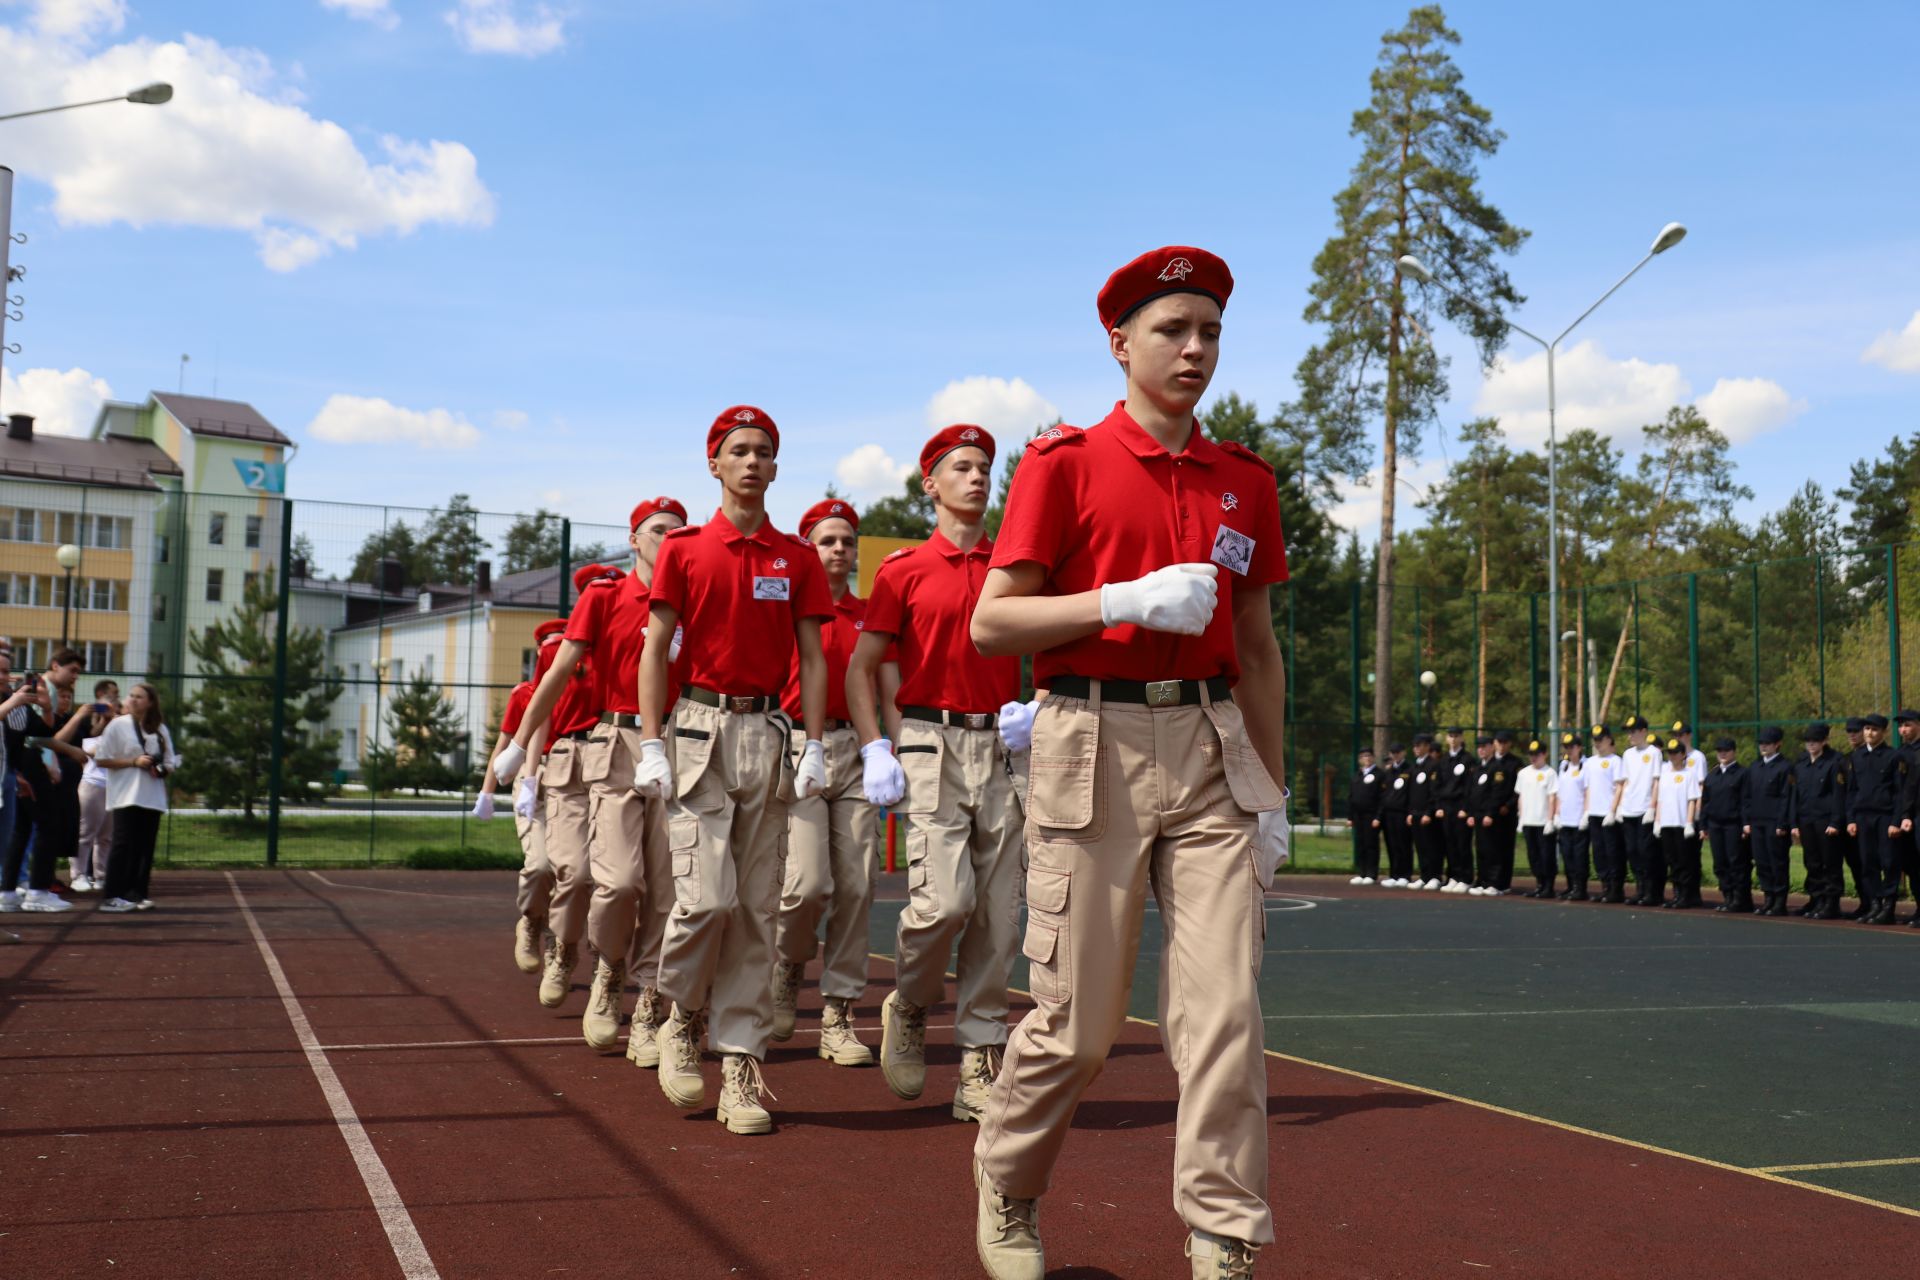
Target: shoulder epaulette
(1054,437)
(684,531)
(1241,451)
(794,537)
(605,580)
(895,555)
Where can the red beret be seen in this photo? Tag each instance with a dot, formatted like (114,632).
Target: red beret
(592,573)
(947,439)
(552,627)
(829,509)
(653,507)
(736,417)
(1178,268)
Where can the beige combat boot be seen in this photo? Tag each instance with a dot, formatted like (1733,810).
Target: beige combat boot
(600,1024)
(786,994)
(903,1046)
(679,1041)
(1007,1233)
(643,1045)
(741,1087)
(557,979)
(838,1044)
(526,944)
(978,1068)
(1218,1258)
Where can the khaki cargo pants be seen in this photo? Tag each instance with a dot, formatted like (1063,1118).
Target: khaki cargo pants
(627,850)
(727,834)
(963,835)
(830,855)
(567,806)
(536,873)
(1123,797)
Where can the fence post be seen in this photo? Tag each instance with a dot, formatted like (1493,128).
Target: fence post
(1693,651)
(1477,716)
(1533,661)
(276,750)
(1893,627)
(1353,660)
(1292,683)
(1820,625)
(1417,686)
(1755,590)
(566,564)
(1634,604)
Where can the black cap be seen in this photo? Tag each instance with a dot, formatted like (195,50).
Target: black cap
(1636,722)
(1535,747)
(1675,747)
(1855,724)
(1815,732)
(1771,733)
(1484,740)
(1874,721)
(1395,746)
(1601,731)
(1905,713)
(1569,740)
(1423,739)
(1724,744)
(1366,751)
(1456,732)
(1503,735)
(1680,727)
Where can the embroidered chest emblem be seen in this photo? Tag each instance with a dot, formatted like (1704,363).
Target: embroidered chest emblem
(1229,502)
(780,562)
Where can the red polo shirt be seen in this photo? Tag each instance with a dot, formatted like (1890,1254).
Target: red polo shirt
(516,707)
(1109,504)
(577,709)
(924,598)
(837,638)
(740,597)
(611,621)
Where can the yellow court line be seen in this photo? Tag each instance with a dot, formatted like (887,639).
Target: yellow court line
(1764,1175)
(1839,1164)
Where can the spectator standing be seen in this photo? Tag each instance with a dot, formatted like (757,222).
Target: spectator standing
(137,752)
(50,834)
(88,869)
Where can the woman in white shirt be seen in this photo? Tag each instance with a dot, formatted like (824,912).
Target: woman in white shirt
(1533,789)
(1676,808)
(137,752)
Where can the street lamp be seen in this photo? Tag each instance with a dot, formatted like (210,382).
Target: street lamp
(1670,235)
(68,558)
(148,95)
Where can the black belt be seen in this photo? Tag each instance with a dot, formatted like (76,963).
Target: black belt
(730,702)
(952,719)
(578,735)
(1155,693)
(620,719)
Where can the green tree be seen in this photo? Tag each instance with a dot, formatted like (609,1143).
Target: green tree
(230,720)
(1415,190)
(908,514)
(450,542)
(1011,453)
(422,730)
(531,542)
(394,541)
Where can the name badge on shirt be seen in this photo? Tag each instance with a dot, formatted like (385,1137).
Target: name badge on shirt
(1233,549)
(770,588)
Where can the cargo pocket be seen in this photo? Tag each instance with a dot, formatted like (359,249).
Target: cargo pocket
(1050,969)
(1066,788)
(683,842)
(692,752)
(556,772)
(1252,786)
(922,893)
(596,755)
(920,762)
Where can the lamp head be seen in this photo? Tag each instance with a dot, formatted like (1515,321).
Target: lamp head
(1412,267)
(67,557)
(152,95)
(1670,235)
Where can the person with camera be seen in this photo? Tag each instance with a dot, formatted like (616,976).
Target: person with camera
(137,752)
(30,726)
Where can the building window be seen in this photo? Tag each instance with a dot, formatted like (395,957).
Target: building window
(353,672)
(352,744)
(248,580)
(26,525)
(253,532)
(64,528)
(106,532)
(159,608)
(162,548)
(528,657)
(217,529)
(157,663)
(216,580)
(396,670)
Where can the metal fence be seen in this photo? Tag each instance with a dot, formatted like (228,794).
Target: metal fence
(335,673)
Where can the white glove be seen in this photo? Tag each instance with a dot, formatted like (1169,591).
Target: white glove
(1179,598)
(1610,819)
(1687,831)
(1272,844)
(508,762)
(653,776)
(881,776)
(1016,725)
(483,805)
(810,779)
(1647,817)
(524,797)
(673,650)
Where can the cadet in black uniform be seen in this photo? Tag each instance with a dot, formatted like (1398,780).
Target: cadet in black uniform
(1425,813)
(1457,771)
(1816,812)
(1363,809)
(1394,801)
(1766,819)
(1876,798)
(1721,798)
(1908,842)
(1849,847)
(1506,812)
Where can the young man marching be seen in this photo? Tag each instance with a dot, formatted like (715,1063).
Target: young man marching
(830,837)
(748,595)
(530,824)
(963,820)
(1134,563)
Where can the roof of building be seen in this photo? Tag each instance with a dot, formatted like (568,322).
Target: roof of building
(118,462)
(530,589)
(232,419)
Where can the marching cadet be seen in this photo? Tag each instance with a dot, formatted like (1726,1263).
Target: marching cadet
(830,837)
(1425,813)
(1569,818)
(1816,812)
(1533,792)
(1395,802)
(1907,842)
(1154,759)
(1458,768)
(536,875)
(1483,798)
(1363,813)
(554,730)
(1506,814)
(1766,818)
(1676,807)
(1721,799)
(1876,804)
(1606,779)
(951,778)
(1640,763)
(1848,846)
(748,596)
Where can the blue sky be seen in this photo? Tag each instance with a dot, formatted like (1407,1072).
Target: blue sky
(528,251)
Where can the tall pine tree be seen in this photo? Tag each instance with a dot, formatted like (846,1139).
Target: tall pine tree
(423,734)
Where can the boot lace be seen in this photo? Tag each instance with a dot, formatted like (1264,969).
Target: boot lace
(1016,1217)
(744,1078)
(686,1042)
(913,1026)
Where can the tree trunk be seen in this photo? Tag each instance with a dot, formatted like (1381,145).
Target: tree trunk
(1480,642)
(1383,599)
(1620,647)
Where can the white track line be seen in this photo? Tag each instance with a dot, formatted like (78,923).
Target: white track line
(408,1249)
(1535,1013)
(530,1040)
(405,893)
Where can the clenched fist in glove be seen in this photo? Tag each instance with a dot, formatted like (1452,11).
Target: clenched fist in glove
(1179,598)
(508,762)
(1016,725)
(524,797)
(653,776)
(1273,844)
(810,779)
(1610,819)
(483,805)
(881,776)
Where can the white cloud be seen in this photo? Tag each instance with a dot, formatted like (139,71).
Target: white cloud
(1358,507)
(379,12)
(1013,411)
(233,150)
(62,404)
(496,26)
(1900,351)
(509,419)
(870,472)
(1742,408)
(371,420)
(1613,397)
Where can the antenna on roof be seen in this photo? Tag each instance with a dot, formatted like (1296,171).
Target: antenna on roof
(184,357)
